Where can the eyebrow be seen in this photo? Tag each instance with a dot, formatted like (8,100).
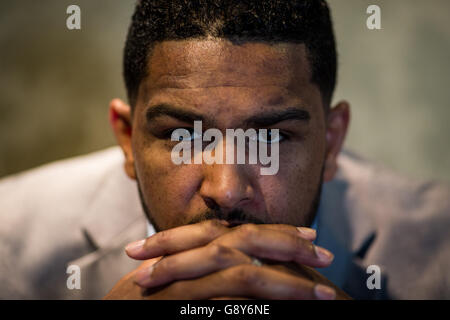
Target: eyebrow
(161,110)
(261,120)
(273,117)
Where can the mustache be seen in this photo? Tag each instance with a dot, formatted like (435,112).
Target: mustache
(235,217)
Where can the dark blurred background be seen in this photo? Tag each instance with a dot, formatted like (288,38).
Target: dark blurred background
(55,84)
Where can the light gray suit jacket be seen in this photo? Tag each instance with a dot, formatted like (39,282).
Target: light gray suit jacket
(83,211)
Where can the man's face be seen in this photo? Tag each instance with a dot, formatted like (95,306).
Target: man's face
(229,86)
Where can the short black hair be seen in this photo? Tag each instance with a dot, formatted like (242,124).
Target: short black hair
(298,21)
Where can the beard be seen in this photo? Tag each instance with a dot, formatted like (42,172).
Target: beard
(236,216)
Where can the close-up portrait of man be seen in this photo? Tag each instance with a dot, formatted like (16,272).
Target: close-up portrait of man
(230,179)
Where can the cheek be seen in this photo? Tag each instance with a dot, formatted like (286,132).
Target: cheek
(167,188)
(289,195)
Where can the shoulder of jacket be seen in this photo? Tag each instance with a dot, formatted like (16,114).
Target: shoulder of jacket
(391,192)
(41,213)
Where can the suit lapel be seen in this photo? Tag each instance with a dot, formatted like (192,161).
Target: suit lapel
(113,210)
(346,227)
(113,218)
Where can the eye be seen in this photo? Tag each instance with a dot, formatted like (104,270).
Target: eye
(270,136)
(183,134)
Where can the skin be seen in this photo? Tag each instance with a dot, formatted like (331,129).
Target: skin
(228,85)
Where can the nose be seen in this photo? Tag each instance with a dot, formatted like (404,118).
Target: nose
(226,186)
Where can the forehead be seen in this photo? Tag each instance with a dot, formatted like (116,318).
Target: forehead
(206,73)
(218,62)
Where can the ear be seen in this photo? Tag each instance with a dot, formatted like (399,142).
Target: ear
(120,120)
(338,119)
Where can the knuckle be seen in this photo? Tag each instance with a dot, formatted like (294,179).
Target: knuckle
(214,223)
(300,246)
(221,254)
(304,247)
(248,231)
(164,265)
(162,237)
(212,228)
(244,275)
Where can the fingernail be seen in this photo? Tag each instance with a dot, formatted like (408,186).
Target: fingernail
(324,293)
(142,277)
(308,233)
(323,254)
(134,247)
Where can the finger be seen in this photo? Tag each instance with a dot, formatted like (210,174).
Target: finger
(197,235)
(148,263)
(184,265)
(247,281)
(177,239)
(275,245)
(192,236)
(303,232)
(190,264)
